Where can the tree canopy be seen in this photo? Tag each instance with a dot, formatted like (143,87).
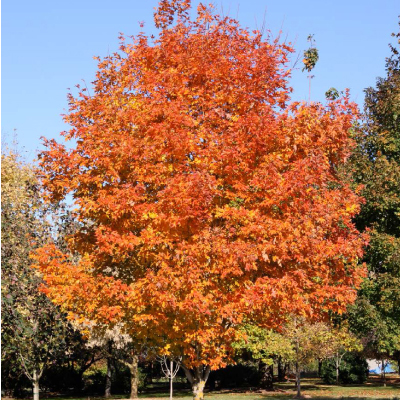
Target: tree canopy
(205,199)
(376,164)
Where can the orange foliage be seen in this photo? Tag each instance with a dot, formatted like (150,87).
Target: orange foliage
(205,199)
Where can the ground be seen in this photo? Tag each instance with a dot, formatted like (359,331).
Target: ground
(311,388)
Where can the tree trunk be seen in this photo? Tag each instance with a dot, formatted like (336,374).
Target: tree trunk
(383,373)
(79,381)
(171,379)
(281,372)
(197,379)
(35,382)
(319,367)
(298,387)
(298,384)
(108,378)
(267,375)
(134,369)
(198,389)
(398,364)
(282,368)
(337,360)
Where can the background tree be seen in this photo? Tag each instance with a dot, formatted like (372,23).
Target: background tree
(340,342)
(34,330)
(119,347)
(309,342)
(204,198)
(265,346)
(376,165)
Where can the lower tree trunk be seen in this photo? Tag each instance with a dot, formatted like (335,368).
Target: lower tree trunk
(383,373)
(198,389)
(267,375)
(35,382)
(298,387)
(319,368)
(337,369)
(298,383)
(108,378)
(282,368)
(134,370)
(197,378)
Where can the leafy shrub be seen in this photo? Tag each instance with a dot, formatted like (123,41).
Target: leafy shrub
(95,379)
(235,376)
(121,381)
(353,369)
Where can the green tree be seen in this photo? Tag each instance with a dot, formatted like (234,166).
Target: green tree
(265,346)
(310,341)
(33,329)
(376,166)
(341,341)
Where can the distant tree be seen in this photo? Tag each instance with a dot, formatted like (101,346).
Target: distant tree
(340,341)
(376,165)
(264,346)
(309,341)
(120,347)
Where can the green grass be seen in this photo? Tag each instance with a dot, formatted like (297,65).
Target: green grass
(312,388)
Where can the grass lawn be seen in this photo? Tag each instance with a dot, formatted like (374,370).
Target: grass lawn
(311,388)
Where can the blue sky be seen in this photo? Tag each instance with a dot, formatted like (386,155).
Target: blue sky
(48,47)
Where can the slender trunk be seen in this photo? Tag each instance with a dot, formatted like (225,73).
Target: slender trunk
(79,381)
(337,361)
(384,373)
(267,374)
(319,367)
(134,369)
(281,370)
(171,389)
(298,387)
(197,379)
(149,376)
(35,382)
(298,384)
(108,378)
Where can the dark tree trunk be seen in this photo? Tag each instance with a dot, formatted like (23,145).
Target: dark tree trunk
(108,378)
(282,368)
(267,375)
(281,372)
(384,373)
(107,392)
(319,368)
(298,382)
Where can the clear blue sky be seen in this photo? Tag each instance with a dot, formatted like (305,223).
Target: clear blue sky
(48,47)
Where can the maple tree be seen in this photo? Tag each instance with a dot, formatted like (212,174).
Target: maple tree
(204,198)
